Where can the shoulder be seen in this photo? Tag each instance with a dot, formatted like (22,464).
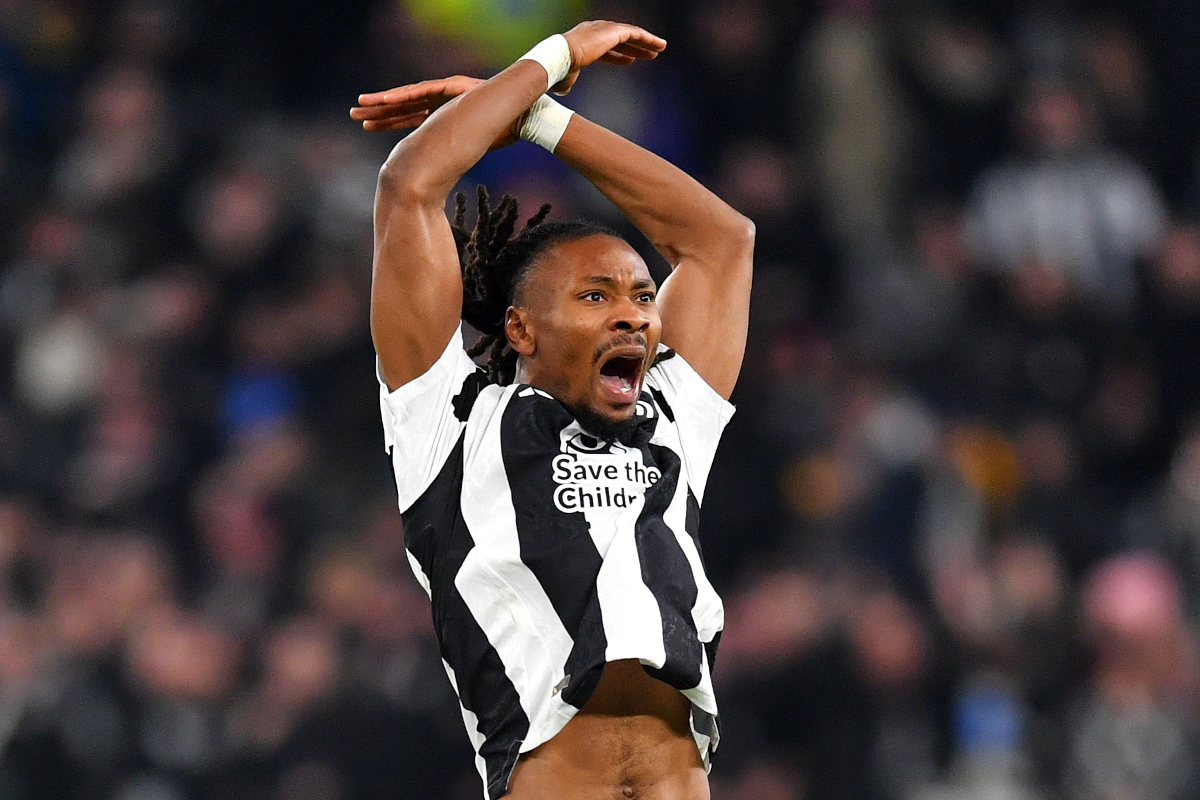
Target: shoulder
(441,396)
(673,380)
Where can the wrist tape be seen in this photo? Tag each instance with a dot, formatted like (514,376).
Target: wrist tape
(554,55)
(545,122)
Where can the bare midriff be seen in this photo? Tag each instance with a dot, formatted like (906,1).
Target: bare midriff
(631,741)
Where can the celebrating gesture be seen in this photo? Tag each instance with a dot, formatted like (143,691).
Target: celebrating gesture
(588,42)
(551,500)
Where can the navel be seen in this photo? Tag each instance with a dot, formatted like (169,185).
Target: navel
(628,791)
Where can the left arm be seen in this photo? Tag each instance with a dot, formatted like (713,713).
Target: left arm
(705,301)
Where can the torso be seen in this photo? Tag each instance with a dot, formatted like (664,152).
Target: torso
(558,565)
(630,741)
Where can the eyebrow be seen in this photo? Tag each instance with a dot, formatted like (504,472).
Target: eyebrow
(605,280)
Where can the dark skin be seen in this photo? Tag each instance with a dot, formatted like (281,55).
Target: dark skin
(582,304)
(585,302)
(630,740)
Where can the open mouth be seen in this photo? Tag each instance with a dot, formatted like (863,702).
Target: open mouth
(619,376)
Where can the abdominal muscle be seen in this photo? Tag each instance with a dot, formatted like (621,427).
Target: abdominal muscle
(631,741)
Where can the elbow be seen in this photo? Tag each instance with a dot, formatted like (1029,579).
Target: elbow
(398,167)
(725,240)
(402,178)
(739,235)
(744,231)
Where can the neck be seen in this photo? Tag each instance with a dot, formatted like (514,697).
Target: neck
(590,420)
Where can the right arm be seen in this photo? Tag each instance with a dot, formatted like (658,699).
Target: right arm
(416,285)
(416,289)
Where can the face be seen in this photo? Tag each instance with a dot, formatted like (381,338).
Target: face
(586,325)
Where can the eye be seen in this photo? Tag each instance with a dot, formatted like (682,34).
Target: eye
(595,296)
(646,297)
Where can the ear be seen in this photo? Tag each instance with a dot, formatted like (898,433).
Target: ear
(518,328)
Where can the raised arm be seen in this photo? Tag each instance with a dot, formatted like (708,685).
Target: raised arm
(416,285)
(705,302)
(416,291)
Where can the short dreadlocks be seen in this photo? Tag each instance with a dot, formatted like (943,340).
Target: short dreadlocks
(494,263)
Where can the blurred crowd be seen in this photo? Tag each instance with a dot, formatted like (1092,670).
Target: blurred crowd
(956,520)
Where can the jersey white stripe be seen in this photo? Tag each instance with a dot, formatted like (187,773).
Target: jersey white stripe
(632,621)
(503,594)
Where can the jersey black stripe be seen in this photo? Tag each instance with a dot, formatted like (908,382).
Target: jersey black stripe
(691,523)
(710,650)
(705,723)
(556,546)
(692,526)
(662,403)
(437,536)
(668,573)
(464,401)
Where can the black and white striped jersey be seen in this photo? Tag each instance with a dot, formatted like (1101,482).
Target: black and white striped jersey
(547,552)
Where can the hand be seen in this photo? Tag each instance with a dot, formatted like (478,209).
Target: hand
(610,42)
(410,105)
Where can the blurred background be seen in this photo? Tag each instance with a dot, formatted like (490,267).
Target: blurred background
(956,520)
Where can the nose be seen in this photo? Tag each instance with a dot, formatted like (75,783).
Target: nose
(628,316)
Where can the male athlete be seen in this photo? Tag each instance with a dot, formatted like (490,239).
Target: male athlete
(551,502)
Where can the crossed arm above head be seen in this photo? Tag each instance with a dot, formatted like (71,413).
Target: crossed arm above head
(417,287)
(705,301)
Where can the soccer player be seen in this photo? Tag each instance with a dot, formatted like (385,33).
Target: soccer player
(551,502)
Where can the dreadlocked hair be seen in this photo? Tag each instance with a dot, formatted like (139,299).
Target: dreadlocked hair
(494,263)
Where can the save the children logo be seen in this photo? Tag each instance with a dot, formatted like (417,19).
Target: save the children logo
(592,473)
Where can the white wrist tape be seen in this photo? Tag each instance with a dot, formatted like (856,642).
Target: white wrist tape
(554,54)
(545,123)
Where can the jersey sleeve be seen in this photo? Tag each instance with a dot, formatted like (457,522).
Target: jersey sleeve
(424,418)
(700,415)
